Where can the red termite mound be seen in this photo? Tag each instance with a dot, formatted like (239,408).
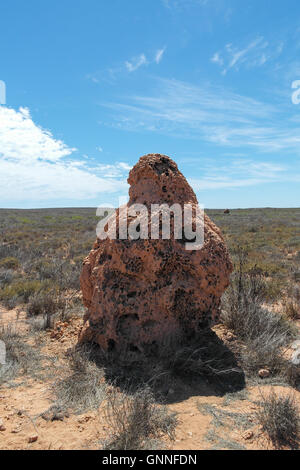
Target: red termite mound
(143,293)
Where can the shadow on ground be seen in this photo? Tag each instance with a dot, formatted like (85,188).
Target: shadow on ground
(202,366)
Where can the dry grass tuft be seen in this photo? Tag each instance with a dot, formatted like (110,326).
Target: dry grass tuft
(279,418)
(262,332)
(136,422)
(21,358)
(84,388)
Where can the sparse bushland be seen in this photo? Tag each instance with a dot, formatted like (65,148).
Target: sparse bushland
(42,253)
(279,418)
(49,246)
(136,422)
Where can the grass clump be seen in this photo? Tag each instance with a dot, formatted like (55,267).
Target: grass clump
(292,304)
(84,388)
(21,358)
(136,421)
(279,418)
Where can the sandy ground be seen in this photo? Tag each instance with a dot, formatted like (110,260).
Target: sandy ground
(23,402)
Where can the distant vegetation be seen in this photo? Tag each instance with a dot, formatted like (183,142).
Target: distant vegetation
(41,251)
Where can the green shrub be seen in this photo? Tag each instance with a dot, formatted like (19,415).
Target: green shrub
(22,290)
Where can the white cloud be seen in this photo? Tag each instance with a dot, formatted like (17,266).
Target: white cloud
(118,170)
(136,63)
(36,167)
(20,136)
(159,55)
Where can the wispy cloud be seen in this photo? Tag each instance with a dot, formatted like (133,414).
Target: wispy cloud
(185,3)
(36,167)
(159,55)
(239,173)
(217,59)
(254,54)
(111,74)
(136,63)
(211,114)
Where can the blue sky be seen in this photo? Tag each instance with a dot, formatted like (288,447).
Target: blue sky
(93,85)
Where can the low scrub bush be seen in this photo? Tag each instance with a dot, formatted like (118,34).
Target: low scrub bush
(263,332)
(6,277)
(47,304)
(22,290)
(279,418)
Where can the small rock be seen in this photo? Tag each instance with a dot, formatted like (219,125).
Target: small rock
(2,427)
(248,435)
(264,373)
(230,336)
(83,419)
(16,430)
(33,438)
(296,358)
(171,391)
(296,344)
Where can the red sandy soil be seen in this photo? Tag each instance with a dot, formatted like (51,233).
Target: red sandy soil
(21,405)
